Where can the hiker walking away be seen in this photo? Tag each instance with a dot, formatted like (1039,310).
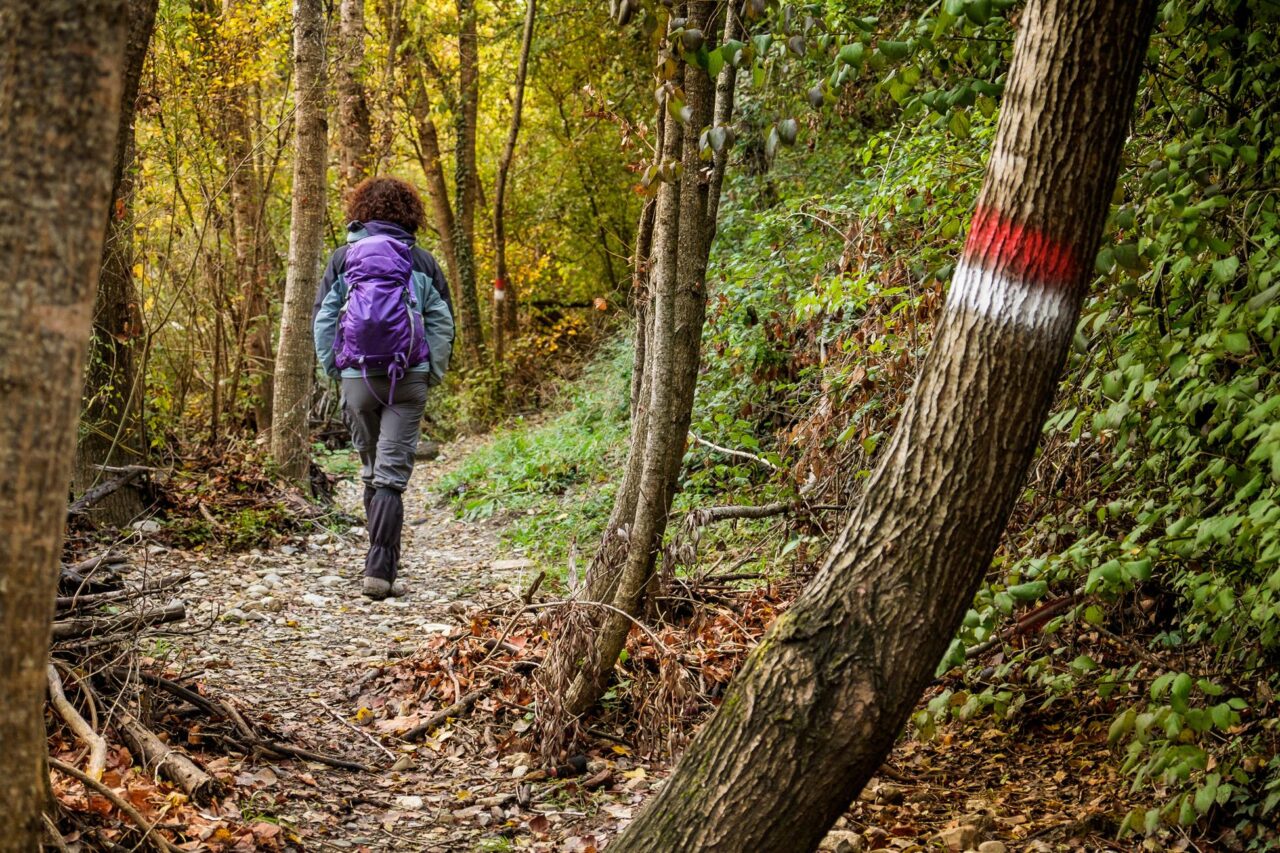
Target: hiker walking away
(383,322)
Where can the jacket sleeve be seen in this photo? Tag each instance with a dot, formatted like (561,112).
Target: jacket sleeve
(437,323)
(432,268)
(328,305)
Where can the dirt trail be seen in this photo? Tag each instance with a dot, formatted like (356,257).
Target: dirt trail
(291,637)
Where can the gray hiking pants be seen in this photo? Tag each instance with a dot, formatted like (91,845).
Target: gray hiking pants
(386,437)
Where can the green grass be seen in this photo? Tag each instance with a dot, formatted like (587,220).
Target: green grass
(555,478)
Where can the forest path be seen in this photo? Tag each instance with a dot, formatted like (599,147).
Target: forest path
(292,639)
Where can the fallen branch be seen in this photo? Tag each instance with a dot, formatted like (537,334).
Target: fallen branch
(456,709)
(97,743)
(740,454)
(82,602)
(149,833)
(89,566)
(89,626)
(341,719)
(318,757)
(127,474)
(712,514)
(160,758)
(249,737)
(1028,622)
(55,834)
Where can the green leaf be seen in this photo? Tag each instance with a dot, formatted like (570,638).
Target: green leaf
(1121,726)
(1225,269)
(979,11)
(959,124)
(894,50)
(1029,591)
(715,61)
(852,54)
(1205,797)
(1237,343)
(1180,692)
(1161,684)
(1126,255)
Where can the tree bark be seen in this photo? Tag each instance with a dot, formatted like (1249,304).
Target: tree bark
(61,79)
(582,661)
(110,420)
(466,182)
(255,254)
(820,701)
(295,364)
(504,294)
(428,147)
(353,103)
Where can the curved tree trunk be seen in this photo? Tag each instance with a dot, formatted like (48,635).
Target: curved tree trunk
(668,350)
(819,703)
(504,294)
(61,78)
(295,364)
(110,420)
(354,150)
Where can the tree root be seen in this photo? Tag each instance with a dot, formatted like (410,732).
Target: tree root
(97,743)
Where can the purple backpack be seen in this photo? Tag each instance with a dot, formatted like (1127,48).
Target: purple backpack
(381,324)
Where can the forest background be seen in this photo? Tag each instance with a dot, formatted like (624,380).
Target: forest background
(1140,578)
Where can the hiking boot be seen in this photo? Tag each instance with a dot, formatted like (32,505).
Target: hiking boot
(376,588)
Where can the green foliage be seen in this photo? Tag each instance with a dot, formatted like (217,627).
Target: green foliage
(556,478)
(1149,533)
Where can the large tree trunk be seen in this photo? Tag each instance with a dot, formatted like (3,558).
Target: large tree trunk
(668,352)
(466,182)
(819,703)
(504,292)
(353,104)
(295,364)
(61,77)
(110,420)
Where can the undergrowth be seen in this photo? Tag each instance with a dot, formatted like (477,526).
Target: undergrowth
(554,478)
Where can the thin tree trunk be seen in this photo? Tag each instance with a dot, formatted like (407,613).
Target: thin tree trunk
(819,703)
(353,103)
(255,254)
(428,147)
(504,306)
(466,184)
(61,78)
(110,423)
(623,565)
(295,364)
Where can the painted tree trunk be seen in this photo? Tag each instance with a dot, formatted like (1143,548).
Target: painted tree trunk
(59,119)
(580,665)
(110,432)
(354,150)
(466,183)
(295,364)
(818,704)
(504,293)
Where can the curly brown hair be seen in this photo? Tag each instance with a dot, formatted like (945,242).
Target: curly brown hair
(388,200)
